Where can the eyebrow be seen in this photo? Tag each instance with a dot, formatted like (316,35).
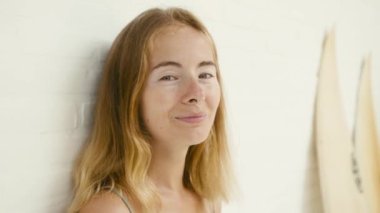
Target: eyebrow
(176,64)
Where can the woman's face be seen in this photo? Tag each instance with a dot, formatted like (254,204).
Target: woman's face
(182,93)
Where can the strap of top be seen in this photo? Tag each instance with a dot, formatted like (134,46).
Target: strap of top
(211,206)
(123,198)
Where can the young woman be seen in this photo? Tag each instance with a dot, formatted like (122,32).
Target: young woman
(158,142)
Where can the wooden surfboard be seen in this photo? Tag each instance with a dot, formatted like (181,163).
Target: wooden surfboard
(332,137)
(366,145)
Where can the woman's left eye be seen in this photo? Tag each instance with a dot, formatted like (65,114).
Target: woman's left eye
(168,78)
(206,75)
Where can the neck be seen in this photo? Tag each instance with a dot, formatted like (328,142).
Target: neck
(167,167)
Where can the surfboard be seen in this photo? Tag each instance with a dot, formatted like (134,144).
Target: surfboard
(366,145)
(332,137)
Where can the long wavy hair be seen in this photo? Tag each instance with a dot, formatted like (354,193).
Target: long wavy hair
(118,152)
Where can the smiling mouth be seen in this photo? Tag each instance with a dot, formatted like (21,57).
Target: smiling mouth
(192,118)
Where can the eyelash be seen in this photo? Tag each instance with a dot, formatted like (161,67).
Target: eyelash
(172,78)
(206,74)
(168,78)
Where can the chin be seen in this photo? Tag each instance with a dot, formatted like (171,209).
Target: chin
(197,139)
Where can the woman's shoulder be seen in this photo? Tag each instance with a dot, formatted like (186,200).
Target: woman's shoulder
(105,202)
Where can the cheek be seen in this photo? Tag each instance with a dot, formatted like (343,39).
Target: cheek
(214,97)
(148,105)
(157,103)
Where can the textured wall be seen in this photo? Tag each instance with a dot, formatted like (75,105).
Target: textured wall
(50,58)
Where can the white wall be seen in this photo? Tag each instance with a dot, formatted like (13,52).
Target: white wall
(50,58)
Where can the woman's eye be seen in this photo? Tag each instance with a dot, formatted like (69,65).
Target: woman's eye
(206,75)
(168,78)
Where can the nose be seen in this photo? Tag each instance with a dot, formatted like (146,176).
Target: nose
(194,92)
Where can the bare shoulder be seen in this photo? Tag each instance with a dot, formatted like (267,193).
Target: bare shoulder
(105,202)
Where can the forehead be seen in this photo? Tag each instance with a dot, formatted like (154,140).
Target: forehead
(178,42)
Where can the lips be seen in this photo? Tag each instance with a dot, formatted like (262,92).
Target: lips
(194,118)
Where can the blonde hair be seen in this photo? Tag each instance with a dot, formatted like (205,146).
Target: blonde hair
(117,153)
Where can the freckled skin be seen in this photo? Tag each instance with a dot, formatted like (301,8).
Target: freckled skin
(176,94)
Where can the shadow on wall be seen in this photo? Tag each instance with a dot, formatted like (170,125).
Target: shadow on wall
(90,67)
(312,199)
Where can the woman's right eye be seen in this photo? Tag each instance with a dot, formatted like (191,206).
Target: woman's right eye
(168,78)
